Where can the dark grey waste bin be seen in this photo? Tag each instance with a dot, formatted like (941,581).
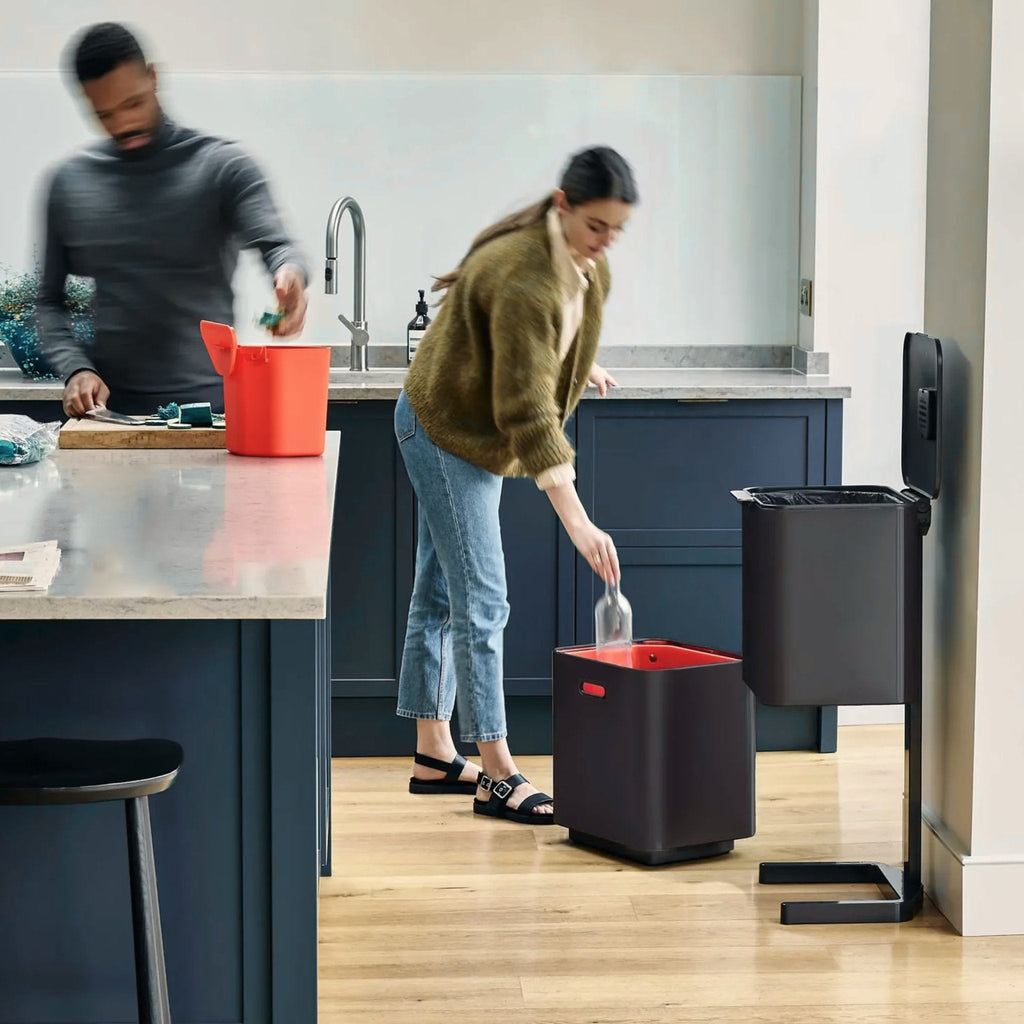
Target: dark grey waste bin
(832,615)
(832,575)
(653,750)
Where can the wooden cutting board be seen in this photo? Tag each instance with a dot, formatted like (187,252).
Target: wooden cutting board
(96,434)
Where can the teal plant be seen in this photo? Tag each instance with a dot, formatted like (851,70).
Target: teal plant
(18,293)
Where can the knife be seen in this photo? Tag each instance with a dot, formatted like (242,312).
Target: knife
(109,416)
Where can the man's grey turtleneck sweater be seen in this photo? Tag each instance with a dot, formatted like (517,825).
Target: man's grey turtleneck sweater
(159,230)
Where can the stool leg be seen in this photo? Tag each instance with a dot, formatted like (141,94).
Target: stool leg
(150,975)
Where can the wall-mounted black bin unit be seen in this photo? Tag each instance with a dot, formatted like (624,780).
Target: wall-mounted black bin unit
(832,615)
(832,575)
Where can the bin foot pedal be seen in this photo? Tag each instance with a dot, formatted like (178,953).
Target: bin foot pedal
(653,857)
(901,906)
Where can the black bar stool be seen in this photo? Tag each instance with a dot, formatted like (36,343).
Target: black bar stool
(61,771)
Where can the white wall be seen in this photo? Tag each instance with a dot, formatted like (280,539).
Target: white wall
(808,163)
(704,197)
(374,36)
(870,215)
(710,255)
(999,738)
(975,683)
(958,169)
(867,220)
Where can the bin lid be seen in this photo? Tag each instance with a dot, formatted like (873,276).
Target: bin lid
(922,413)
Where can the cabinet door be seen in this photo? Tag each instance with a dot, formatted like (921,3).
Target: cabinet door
(541,587)
(373,565)
(373,553)
(41,411)
(660,472)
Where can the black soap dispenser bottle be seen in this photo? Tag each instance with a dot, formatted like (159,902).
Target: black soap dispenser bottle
(417,327)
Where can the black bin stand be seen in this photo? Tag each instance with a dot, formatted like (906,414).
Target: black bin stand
(653,750)
(832,615)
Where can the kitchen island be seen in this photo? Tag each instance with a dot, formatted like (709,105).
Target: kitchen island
(191,603)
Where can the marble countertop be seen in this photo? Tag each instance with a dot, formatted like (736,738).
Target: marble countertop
(680,384)
(174,534)
(15,387)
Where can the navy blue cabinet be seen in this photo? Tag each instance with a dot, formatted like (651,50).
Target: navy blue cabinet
(372,569)
(42,411)
(655,473)
(372,564)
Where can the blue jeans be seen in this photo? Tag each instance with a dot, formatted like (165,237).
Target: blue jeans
(459,607)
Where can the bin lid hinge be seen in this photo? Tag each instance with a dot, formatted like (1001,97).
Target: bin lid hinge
(923,507)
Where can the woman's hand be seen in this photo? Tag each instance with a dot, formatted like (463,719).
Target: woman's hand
(598,549)
(602,379)
(593,544)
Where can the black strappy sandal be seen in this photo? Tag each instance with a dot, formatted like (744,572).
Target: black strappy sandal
(497,805)
(449,784)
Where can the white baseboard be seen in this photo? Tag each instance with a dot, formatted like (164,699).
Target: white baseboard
(871,714)
(979,895)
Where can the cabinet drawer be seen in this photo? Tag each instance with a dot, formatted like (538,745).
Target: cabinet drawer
(660,472)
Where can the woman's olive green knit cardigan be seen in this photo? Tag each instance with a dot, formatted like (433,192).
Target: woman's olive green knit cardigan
(487,383)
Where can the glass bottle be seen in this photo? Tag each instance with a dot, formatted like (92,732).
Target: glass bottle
(613,621)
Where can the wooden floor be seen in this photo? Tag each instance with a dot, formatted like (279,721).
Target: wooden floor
(437,916)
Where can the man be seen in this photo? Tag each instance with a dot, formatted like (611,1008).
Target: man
(156,214)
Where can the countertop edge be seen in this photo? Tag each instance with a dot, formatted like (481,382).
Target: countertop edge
(42,606)
(356,393)
(388,386)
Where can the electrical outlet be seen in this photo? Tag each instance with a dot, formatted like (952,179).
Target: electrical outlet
(805,296)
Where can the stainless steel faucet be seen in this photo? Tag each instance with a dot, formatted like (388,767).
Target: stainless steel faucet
(358,357)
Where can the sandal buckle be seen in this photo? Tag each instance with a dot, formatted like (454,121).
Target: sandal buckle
(484,782)
(502,790)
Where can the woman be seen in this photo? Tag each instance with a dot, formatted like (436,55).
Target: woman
(487,396)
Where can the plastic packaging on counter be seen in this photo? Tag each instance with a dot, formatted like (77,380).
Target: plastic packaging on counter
(23,440)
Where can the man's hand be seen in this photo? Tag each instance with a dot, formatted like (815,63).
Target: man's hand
(291,297)
(84,391)
(602,379)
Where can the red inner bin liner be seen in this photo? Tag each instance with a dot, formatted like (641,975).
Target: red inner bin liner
(655,655)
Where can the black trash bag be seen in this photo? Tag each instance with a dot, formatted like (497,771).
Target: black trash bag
(828,496)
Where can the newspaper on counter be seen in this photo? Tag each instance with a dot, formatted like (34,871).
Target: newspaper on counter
(28,566)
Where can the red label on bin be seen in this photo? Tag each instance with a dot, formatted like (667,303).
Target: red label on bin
(593,689)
